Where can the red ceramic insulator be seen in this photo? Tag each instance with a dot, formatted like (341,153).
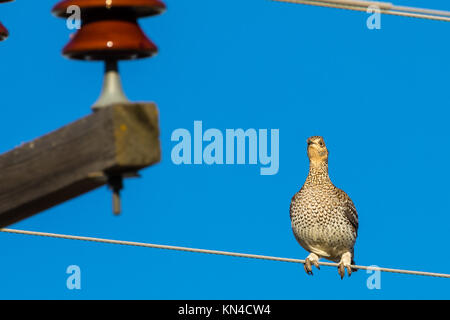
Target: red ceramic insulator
(110,40)
(3,32)
(137,8)
(109,29)
(110,32)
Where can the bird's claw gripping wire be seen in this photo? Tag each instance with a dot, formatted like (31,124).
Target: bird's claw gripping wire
(341,270)
(309,262)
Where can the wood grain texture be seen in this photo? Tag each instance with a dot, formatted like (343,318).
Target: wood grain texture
(72,160)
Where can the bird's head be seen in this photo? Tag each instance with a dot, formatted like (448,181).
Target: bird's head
(317,150)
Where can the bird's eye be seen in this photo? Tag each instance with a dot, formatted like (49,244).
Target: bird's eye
(321,143)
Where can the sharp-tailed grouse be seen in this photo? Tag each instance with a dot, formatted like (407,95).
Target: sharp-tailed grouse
(324,218)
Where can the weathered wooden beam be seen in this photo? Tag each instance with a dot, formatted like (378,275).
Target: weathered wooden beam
(76,159)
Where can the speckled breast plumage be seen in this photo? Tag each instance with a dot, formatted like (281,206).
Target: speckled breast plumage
(321,217)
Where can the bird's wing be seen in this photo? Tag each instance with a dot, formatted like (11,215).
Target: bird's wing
(348,209)
(351,214)
(290,207)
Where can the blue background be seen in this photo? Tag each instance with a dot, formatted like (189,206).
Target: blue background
(380,99)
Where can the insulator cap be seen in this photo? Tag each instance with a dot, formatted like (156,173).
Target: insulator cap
(109,39)
(3,32)
(136,8)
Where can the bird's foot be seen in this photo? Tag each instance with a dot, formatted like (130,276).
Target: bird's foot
(345,263)
(311,260)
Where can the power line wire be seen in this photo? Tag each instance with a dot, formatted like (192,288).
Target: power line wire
(216,252)
(384,7)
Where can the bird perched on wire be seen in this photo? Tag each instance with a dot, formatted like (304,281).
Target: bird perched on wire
(323,217)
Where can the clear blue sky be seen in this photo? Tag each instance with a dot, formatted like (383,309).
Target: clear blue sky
(380,99)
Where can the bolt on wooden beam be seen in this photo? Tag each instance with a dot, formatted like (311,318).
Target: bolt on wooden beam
(77,158)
